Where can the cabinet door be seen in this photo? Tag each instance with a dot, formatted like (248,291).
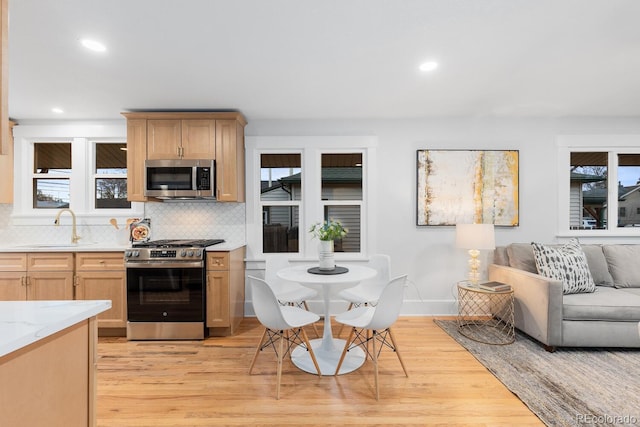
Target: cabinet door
(218,299)
(198,139)
(136,155)
(163,139)
(50,285)
(105,285)
(12,286)
(229,161)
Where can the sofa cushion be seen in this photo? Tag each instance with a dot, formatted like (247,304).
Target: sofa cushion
(598,265)
(606,303)
(566,263)
(623,264)
(521,257)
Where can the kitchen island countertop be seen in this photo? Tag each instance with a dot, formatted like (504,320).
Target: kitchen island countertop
(26,322)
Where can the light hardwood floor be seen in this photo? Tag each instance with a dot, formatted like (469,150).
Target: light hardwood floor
(206,383)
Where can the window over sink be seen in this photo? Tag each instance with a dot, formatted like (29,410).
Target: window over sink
(56,169)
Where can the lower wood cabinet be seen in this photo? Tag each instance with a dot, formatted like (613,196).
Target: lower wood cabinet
(36,276)
(101,276)
(225,291)
(68,276)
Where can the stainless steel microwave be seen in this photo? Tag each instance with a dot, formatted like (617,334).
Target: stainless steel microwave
(180,179)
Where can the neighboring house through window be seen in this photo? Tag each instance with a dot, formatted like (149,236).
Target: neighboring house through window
(296,181)
(603,172)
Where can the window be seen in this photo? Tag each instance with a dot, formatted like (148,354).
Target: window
(280,195)
(51,175)
(86,174)
(298,181)
(110,176)
(604,183)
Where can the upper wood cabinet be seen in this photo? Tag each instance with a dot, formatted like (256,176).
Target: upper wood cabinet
(4,77)
(6,166)
(181,135)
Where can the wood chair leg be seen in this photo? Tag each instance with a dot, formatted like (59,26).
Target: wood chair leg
(374,357)
(280,357)
(305,338)
(395,348)
(255,356)
(344,351)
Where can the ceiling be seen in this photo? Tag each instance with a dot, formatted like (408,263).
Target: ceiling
(329,59)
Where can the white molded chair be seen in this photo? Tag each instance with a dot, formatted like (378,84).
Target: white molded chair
(282,323)
(372,324)
(368,291)
(287,293)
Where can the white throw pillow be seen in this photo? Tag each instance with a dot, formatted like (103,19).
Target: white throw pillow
(566,263)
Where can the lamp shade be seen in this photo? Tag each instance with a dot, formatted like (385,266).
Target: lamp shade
(475,236)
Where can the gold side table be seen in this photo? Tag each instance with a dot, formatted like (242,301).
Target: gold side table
(485,316)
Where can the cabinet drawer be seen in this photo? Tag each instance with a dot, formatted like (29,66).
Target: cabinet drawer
(92,261)
(13,262)
(50,261)
(217,260)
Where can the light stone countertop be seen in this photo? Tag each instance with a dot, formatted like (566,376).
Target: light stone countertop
(97,247)
(26,322)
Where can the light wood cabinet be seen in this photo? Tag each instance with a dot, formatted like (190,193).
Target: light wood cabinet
(230,161)
(225,291)
(136,150)
(183,135)
(6,166)
(102,276)
(36,276)
(52,382)
(181,139)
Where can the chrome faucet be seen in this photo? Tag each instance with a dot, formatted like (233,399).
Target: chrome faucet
(74,234)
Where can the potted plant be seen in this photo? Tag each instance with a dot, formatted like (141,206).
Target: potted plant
(327,232)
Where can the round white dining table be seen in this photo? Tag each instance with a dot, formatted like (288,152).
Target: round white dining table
(327,349)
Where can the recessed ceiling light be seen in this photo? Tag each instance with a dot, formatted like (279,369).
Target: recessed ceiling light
(57,110)
(428,66)
(93,45)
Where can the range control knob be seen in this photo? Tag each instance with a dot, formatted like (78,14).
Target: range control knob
(183,253)
(190,253)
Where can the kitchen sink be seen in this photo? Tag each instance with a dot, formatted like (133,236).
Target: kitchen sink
(56,245)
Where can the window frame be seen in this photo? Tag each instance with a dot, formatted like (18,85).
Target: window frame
(82,197)
(613,145)
(311,207)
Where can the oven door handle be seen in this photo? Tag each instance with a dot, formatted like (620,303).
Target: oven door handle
(161,264)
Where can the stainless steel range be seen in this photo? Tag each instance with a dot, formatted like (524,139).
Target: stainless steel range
(166,289)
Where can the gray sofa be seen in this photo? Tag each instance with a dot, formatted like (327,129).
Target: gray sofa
(608,317)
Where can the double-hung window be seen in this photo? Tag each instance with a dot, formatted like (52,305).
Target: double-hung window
(600,184)
(294,182)
(85,174)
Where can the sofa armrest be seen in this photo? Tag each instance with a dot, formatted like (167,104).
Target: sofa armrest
(537,303)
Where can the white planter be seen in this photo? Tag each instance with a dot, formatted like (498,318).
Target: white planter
(326,255)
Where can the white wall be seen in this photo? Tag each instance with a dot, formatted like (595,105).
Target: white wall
(427,254)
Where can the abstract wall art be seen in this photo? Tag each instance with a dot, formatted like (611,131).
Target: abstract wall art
(467,186)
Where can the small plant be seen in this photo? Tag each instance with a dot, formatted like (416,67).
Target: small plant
(328,230)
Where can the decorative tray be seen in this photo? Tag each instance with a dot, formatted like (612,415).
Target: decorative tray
(337,270)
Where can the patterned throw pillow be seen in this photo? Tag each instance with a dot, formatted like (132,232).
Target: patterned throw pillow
(566,263)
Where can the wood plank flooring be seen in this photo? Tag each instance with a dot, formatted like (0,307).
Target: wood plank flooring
(206,383)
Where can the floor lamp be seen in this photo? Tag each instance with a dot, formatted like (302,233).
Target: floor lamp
(475,237)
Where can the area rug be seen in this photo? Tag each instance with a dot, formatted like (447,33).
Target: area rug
(569,387)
